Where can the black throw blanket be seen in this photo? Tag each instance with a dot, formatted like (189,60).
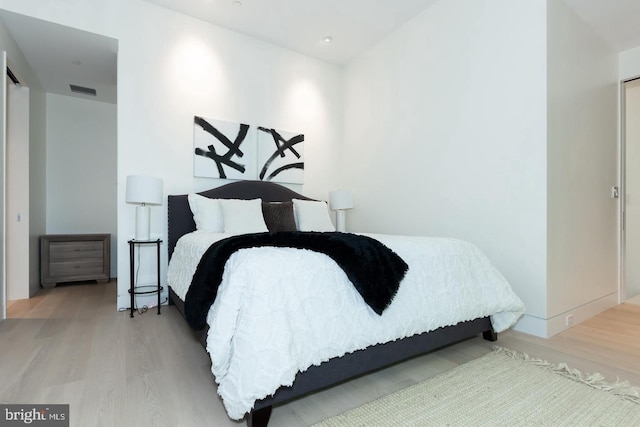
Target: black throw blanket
(374,269)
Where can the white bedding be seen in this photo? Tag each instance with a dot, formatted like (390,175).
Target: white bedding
(281,310)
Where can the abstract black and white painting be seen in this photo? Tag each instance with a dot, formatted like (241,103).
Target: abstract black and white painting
(223,149)
(280,156)
(229,150)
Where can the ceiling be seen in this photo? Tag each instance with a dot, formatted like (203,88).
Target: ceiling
(61,56)
(617,21)
(302,25)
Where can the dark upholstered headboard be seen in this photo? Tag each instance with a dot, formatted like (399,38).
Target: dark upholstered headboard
(181,218)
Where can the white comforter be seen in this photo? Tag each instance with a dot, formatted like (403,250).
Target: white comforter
(281,310)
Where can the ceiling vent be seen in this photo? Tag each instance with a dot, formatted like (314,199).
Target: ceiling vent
(83,90)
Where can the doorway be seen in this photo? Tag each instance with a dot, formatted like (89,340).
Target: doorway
(14,206)
(68,185)
(3,163)
(17,188)
(631,188)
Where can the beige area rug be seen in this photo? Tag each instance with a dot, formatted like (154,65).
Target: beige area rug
(503,388)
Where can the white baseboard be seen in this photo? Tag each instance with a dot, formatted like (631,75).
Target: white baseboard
(546,328)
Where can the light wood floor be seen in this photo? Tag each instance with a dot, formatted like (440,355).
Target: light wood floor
(69,345)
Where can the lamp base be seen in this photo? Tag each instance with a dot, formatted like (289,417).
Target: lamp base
(142,222)
(340,220)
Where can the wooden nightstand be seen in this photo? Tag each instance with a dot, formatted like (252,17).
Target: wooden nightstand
(74,257)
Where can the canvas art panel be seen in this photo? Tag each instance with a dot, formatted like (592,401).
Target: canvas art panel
(223,149)
(280,155)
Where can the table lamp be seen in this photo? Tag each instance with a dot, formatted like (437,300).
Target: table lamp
(339,201)
(143,190)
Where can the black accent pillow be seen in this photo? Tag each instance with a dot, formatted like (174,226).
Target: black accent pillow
(279,216)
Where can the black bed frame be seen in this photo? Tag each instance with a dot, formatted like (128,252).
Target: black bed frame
(338,369)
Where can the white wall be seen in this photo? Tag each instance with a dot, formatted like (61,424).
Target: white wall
(172,67)
(81,168)
(582,169)
(454,129)
(445,134)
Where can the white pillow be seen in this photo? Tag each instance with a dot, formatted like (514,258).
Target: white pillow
(206,213)
(243,216)
(312,215)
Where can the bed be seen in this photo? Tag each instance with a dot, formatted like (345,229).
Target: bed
(331,370)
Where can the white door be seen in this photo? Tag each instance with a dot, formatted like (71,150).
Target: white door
(632,191)
(16,204)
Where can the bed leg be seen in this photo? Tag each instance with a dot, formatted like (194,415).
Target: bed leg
(490,335)
(259,418)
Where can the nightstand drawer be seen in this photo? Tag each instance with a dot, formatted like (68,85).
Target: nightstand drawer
(76,268)
(59,251)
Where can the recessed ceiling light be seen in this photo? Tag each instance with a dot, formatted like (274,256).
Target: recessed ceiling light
(76,62)
(237,3)
(327,39)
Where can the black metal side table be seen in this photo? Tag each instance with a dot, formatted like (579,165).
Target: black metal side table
(140,290)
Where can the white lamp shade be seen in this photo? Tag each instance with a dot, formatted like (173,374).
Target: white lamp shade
(144,189)
(340,199)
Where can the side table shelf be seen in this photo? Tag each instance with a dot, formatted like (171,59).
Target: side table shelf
(146,289)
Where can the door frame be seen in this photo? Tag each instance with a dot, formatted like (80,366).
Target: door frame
(3,187)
